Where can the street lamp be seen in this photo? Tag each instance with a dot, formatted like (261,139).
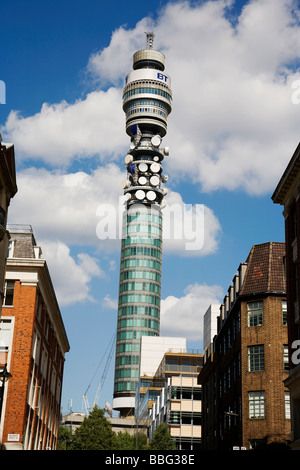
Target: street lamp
(4,376)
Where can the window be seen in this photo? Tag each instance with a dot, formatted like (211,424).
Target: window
(255,313)
(287,405)
(256,361)
(9,293)
(256,404)
(285,357)
(5,339)
(284,312)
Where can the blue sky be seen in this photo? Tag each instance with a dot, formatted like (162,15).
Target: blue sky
(232,131)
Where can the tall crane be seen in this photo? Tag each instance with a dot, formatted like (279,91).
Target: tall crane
(87,408)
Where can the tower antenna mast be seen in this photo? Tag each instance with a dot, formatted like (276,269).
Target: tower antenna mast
(149,41)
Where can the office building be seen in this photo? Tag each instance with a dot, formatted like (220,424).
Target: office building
(147,101)
(245,401)
(33,344)
(179,402)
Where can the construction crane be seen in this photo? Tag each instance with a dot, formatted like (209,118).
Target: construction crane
(111,345)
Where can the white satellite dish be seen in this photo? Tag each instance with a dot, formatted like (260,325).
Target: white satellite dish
(143,167)
(156,159)
(154,180)
(140,194)
(151,196)
(142,180)
(156,140)
(128,159)
(155,167)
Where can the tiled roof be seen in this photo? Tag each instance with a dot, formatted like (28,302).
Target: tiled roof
(265,269)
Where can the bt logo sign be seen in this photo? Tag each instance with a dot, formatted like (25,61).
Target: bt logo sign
(161,76)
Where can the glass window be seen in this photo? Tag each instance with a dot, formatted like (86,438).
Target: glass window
(287,405)
(256,358)
(284,312)
(256,404)
(285,357)
(255,313)
(9,293)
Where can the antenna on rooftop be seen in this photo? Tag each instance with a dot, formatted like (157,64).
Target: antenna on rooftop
(149,41)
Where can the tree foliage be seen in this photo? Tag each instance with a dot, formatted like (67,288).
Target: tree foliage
(95,433)
(162,439)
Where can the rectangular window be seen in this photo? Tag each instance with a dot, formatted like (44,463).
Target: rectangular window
(285,357)
(5,339)
(287,405)
(255,313)
(284,312)
(256,404)
(9,293)
(256,360)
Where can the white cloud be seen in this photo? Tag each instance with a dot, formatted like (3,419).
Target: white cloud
(110,303)
(72,206)
(62,131)
(189,229)
(233,123)
(183,316)
(63,206)
(70,276)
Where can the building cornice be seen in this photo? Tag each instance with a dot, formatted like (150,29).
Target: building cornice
(289,180)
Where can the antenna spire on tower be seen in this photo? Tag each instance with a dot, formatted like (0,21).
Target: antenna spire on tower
(150,39)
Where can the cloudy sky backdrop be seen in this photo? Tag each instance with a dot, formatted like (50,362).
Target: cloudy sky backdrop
(233,128)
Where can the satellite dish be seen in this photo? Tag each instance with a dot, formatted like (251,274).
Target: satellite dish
(143,167)
(128,159)
(164,178)
(142,180)
(154,180)
(151,196)
(156,140)
(125,184)
(166,151)
(155,167)
(140,194)
(156,159)
(108,408)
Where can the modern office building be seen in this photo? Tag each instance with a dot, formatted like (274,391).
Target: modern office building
(179,401)
(287,193)
(147,101)
(245,401)
(33,344)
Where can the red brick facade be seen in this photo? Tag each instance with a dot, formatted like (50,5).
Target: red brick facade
(35,358)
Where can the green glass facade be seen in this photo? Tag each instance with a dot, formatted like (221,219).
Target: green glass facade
(139,291)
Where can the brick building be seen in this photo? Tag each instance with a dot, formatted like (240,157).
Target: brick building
(33,343)
(287,193)
(245,402)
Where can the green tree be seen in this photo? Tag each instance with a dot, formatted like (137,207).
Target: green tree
(126,441)
(95,433)
(161,439)
(64,438)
